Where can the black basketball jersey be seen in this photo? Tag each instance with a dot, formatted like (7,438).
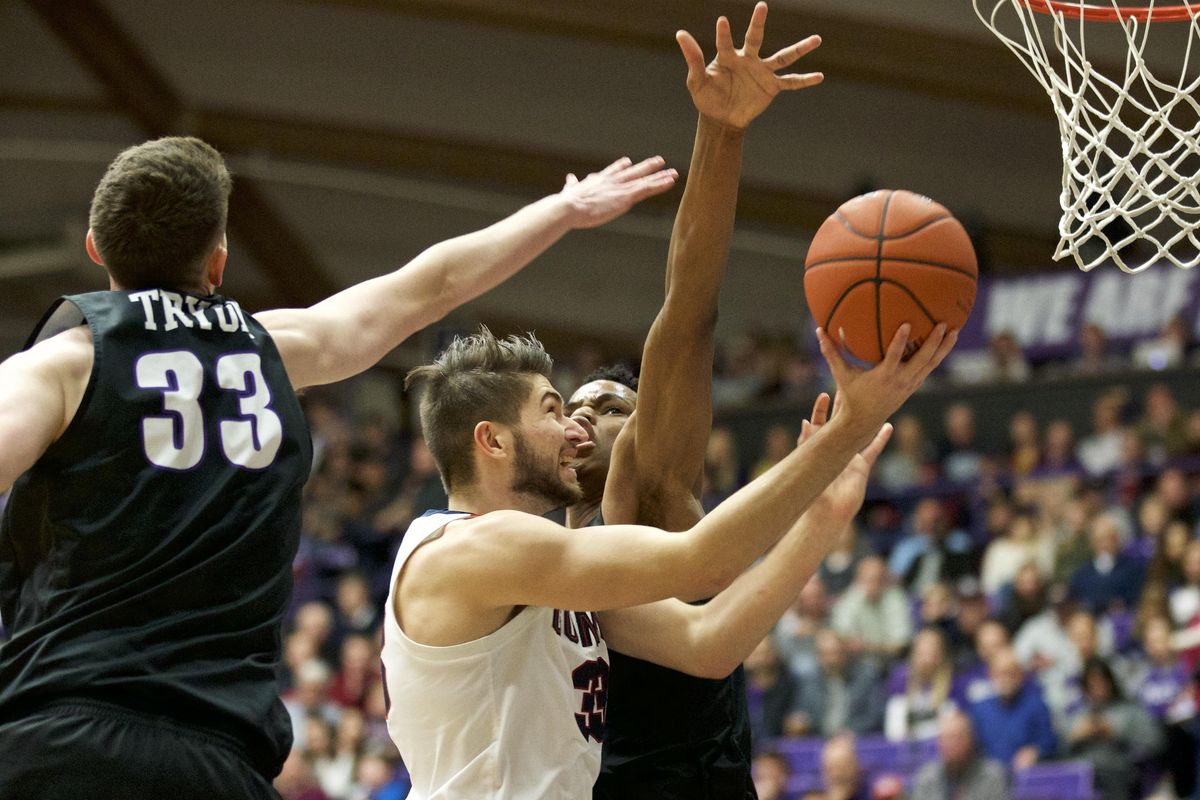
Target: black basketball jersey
(145,559)
(671,736)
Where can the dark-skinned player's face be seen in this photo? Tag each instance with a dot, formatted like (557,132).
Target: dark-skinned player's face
(547,444)
(602,408)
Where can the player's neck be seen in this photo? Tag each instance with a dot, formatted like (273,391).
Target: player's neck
(480,500)
(583,513)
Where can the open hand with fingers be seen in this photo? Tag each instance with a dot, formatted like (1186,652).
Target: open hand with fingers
(842,498)
(603,196)
(738,85)
(867,397)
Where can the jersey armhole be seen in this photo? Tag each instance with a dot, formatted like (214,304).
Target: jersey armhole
(394,590)
(63,316)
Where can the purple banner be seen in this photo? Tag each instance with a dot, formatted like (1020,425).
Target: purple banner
(1046,312)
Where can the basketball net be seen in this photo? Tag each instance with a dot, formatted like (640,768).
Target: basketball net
(1130,143)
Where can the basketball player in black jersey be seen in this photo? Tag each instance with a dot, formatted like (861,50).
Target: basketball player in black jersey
(684,732)
(156,452)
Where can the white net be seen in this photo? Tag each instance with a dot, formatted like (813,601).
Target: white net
(1130,137)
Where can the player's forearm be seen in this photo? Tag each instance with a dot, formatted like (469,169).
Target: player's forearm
(736,620)
(699,249)
(728,540)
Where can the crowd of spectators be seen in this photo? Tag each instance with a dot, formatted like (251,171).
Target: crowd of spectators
(1041,598)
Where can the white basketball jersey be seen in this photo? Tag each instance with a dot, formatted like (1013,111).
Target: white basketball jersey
(516,715)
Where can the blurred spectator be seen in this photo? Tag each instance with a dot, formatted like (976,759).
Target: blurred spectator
(722,469)
(359,669)
(1185,598)
(336,767)
(1165,690)
(298,647)
(1014,725)
(960,772)
(420,490)
(1024,450)
(874,617)
(844,779)
(795,633)
(921,689)
(1071,549)
(1094,357)
(1024,600)
(1176,495)
(931,552)
(770,772)
(972,617)
(972,671)
(1167,350)
(844,694)
(908,460)
(1110,579)
(938,611)
(310,699)
(1058,452)
(778,442)
(1162,427)
(1021,544)
(1100,451)
(356,613)
(379,778)
(1115,735)
(1007,363)
(315,621)
(959,455)
(1152,520)
(770,692)
(838,568)
(296,781)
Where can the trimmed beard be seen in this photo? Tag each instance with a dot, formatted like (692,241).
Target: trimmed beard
(532,478)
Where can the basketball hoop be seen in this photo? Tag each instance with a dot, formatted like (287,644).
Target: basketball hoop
(1130,142)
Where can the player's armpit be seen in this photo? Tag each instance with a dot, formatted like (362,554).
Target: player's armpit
(40,390)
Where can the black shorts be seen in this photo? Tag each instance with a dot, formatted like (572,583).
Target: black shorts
(70,751)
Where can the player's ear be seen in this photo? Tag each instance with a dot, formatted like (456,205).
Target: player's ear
(93,253)
(214,267)
(492,439)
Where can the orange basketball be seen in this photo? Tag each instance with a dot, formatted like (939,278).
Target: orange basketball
(887,258)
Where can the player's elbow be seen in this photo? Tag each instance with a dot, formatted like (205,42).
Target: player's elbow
(714,665)
(709,580)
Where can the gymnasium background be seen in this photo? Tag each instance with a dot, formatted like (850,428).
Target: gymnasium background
(361,131)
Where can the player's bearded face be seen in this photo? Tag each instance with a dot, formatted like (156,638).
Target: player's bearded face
(540,473)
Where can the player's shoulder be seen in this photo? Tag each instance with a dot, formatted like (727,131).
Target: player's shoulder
(68,354)
(506,522)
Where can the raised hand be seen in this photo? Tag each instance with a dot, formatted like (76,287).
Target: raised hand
(842,498)
(868,397)
(738,85)
(603,196)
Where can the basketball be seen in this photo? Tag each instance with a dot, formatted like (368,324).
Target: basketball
(886,258)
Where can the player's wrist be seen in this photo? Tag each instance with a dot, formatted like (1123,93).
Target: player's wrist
(722,129)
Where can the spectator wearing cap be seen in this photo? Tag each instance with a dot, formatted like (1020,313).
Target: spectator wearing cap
(311,699)
(960,772)
(874,617)
(1014,726)
(845,694)
(1110,579)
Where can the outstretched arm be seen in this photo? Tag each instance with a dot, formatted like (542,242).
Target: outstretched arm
(349,332)
(662,462)
(709,641)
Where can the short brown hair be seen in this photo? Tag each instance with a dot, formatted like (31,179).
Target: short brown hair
(158,212)
(476,378)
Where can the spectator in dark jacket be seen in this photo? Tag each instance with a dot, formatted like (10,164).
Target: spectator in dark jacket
(770,692)
(1109,579)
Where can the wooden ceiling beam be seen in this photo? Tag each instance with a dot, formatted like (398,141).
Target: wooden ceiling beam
(939,64)
(137,90)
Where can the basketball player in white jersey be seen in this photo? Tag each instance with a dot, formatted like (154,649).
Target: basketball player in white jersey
(497,684)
